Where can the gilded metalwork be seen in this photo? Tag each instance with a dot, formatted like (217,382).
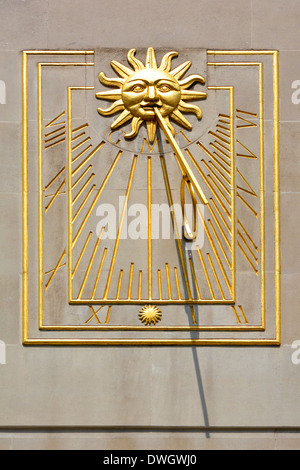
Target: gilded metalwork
(150,314)
(222,161)
(148,88)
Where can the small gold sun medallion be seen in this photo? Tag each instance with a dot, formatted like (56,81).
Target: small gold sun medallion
(150,314)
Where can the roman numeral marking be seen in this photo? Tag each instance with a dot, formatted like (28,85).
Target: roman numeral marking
(247,204)
(248,123)
(58,135)
(54,179)
(183,135)
(249,190)
(248,235)
(54,123)
(53,271)
(54,196)
(94,314)
(242,313)
(247,246)
(249,154)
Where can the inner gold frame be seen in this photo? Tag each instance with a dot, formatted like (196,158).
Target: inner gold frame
(157,301)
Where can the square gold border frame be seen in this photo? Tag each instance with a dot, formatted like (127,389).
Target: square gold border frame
(145,342)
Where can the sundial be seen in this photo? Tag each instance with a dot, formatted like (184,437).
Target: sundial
(150,202)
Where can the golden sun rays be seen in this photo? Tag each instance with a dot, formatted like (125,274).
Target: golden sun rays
(150,314)
(140,89)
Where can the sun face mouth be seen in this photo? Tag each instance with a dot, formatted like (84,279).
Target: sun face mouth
(149,108)
(151,105)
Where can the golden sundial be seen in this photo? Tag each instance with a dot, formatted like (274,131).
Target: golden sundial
(151,223)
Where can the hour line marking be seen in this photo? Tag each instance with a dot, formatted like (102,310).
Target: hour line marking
(96,197)
(80,143)
(81,253)
(83,188)
(87,158)
(99,272)
(205,273)
(81,176)
(77,136)
(83,126)
(90,264)
(223,150)
(112,265)
(81,153)
(194,278)
(209,184)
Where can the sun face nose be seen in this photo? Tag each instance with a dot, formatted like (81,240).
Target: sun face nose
(151,94)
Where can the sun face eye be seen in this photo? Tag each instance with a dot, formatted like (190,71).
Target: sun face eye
(164,88)
(138,88)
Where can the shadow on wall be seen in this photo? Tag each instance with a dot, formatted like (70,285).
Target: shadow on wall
(194,349)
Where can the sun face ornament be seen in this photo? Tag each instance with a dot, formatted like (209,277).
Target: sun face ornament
(149,88)
(154,95)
